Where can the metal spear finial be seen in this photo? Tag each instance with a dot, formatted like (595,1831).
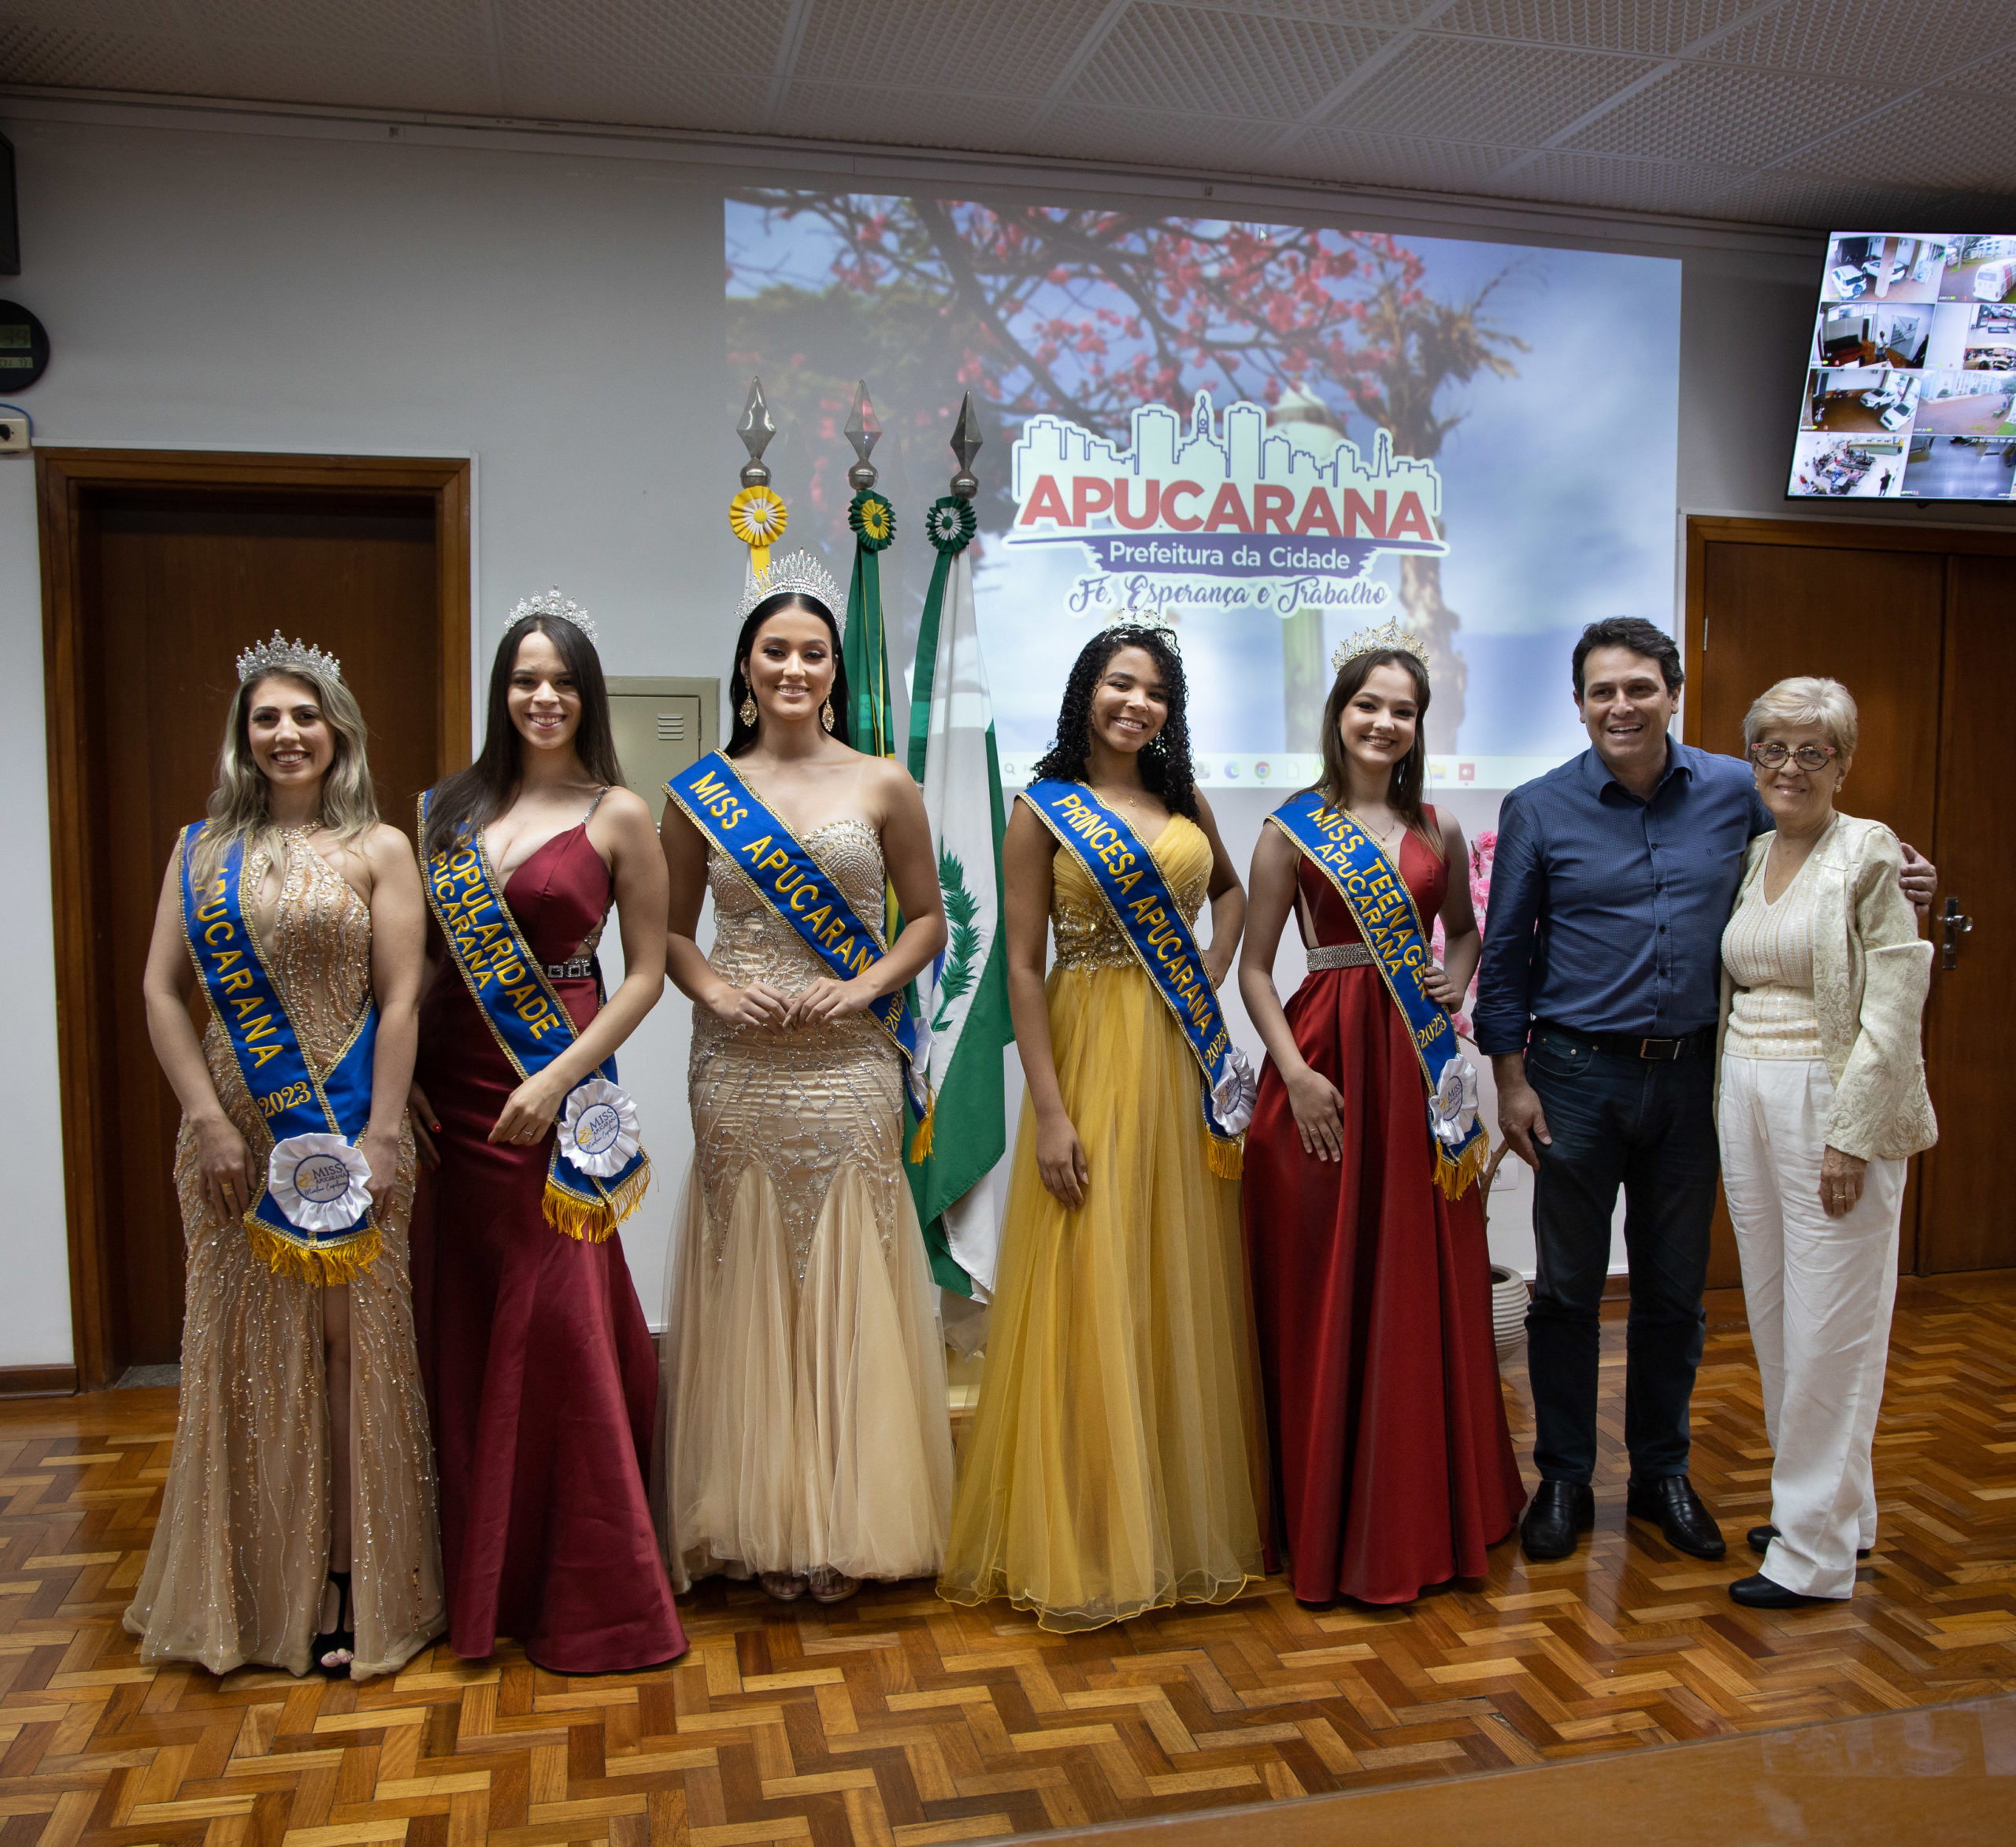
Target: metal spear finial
(863,430)
(965,444)
(756,429)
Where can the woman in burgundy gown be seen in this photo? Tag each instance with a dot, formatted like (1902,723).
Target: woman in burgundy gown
(1393,1469)
(543,1373)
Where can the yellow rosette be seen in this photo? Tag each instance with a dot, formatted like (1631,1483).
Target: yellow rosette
(756,516)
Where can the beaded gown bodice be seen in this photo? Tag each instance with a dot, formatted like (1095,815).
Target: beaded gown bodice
(1088,935)
(803,1102)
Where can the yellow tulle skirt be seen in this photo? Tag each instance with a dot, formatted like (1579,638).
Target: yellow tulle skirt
(1114,1456)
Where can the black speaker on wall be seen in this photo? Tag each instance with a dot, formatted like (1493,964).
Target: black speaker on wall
(10,220)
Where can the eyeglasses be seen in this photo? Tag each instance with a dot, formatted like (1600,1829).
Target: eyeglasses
(1808,757)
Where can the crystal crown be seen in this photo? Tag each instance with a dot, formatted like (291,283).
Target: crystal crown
(562,608)
(800,574)
(281,656)
(1368,641)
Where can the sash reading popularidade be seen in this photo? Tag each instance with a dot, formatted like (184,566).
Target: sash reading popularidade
(1143,906)
(597,1172)
(313,1219)
(773,863)
(1384,910)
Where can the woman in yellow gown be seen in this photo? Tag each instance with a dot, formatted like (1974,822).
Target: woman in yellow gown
(1113,1459)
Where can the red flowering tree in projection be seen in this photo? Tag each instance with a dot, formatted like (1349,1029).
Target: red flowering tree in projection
(1086,313)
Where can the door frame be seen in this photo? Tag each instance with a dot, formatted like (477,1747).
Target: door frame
(1703,530)
(66,481)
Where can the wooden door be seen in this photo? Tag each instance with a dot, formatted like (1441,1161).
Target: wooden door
(1966,1220)
(1911,623)
(160,586)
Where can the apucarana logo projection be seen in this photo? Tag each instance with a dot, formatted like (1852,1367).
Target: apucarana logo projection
(1270,436)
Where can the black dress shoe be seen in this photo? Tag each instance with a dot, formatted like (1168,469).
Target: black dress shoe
(1671,1501)
(1761,1536)
(1557,1513)
(1760,1594)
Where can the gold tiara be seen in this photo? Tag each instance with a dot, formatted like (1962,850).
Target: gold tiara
(1369,641)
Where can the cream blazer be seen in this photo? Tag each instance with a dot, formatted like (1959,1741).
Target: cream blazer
(1871,970)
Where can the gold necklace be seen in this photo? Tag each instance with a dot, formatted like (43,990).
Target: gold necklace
(1382,839)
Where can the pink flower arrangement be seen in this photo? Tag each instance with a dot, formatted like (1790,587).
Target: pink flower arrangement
(1483,850)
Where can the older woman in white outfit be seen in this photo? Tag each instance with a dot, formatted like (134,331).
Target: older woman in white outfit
(1822,1101)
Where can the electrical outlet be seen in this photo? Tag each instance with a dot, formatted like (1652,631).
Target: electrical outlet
(13,433)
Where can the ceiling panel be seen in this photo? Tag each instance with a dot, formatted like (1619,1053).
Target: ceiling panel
(1900,41)
(1443,89)
(1774,110)
(1734,117)
(1221,63)
(1660,30)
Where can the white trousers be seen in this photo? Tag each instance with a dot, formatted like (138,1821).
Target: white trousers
(1819,1291)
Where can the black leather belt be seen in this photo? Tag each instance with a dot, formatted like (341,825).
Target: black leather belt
(1624,1044)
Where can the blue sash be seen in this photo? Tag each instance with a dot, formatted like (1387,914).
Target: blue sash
(1384,910)
(1150,919)
(314,1117)
(508,985)
(775,865)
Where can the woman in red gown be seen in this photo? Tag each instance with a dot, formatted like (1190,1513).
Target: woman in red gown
(544,1375)
(1393,1469)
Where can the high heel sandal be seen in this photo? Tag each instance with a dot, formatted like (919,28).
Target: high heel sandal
(341,1640)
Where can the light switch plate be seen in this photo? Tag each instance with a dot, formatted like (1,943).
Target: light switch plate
(13,433)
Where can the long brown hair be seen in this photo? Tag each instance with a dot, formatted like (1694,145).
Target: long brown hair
(1410,774)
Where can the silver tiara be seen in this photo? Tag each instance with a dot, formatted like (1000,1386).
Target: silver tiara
(563,608)
(281,656)
(1390,638)
(1164,626)
(800,574)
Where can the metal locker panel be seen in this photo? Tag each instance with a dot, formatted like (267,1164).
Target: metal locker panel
(661,727)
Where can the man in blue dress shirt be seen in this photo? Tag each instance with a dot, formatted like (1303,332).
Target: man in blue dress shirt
(1597,1003)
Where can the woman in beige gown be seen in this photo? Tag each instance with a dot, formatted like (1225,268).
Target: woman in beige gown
(301,1450)
(807,1437)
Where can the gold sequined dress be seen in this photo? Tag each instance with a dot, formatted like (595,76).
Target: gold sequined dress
(805,1413)
(1116,1457)
(235,1572)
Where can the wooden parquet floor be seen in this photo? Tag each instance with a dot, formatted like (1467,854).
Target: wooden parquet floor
(898,1719)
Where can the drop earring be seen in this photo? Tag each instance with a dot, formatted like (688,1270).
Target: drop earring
(826,712)
(746,710)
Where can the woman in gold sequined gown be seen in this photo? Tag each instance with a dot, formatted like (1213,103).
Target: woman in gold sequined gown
(806,1436)
(298,1525)
(1116,1456)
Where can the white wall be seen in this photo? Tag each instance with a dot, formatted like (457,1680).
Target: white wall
(553,309)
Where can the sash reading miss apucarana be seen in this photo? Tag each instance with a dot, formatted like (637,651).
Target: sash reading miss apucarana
(1384,910)
(775,865)
(313,1218)
(1142,904)
(596,1174)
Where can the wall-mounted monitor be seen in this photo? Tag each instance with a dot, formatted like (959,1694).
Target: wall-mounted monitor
(1910,380)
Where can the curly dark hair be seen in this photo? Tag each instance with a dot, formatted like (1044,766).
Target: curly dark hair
(1165,768)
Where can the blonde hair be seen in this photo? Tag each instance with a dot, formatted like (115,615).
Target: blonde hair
(238,808)
(1807,699)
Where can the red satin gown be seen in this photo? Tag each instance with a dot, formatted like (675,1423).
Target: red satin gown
(544,1375)
(1392,1467)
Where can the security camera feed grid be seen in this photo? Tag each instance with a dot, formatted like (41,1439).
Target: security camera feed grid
(1910,385)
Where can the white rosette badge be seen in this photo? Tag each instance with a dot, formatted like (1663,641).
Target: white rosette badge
(1455,1105)
(1234,1092)
(318,1181)
(598,1133)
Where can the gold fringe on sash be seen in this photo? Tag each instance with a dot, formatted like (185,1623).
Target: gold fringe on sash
(329,1268)
(1228,1158)
(592,1222)
(1455,1178)
(926,1130)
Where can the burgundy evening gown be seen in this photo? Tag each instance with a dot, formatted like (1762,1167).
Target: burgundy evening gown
(544,1375)
(1393,1469)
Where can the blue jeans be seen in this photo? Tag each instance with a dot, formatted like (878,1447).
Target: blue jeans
(1648,1126)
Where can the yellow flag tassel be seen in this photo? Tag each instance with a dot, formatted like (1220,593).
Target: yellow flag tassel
(323,1268)
(592,1222)
(1228,1157)
(926,1132)
(1455,1178)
